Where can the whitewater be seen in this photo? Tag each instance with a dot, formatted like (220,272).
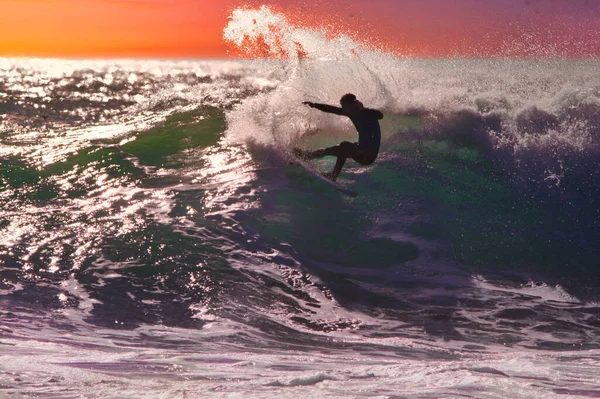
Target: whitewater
(157,242)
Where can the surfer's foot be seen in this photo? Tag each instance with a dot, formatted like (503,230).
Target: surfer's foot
(300,153)
(331,176)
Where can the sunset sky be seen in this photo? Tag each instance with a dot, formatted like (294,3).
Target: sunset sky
(193,28)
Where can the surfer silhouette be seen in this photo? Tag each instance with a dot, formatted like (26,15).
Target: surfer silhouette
(366,122)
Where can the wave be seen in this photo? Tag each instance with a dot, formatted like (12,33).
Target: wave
(538,117)
(485,192)
(519,137)
(171,219)
(521,103)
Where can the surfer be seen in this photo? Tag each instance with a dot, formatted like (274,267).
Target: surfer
(366,122)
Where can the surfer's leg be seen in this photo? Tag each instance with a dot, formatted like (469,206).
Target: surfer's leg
(343,151)
(323,152)
(364,158)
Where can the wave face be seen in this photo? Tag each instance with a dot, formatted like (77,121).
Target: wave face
(156,241)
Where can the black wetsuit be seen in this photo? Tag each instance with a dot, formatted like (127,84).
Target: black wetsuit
(366,122)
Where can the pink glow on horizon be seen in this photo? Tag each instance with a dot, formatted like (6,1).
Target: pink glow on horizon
(193,28)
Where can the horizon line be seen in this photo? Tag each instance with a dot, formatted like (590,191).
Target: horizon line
(408,57)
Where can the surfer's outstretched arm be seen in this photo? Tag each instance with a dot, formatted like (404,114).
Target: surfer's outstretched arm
(325,108)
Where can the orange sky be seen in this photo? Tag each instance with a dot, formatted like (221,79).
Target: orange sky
(193,28)
(99,28)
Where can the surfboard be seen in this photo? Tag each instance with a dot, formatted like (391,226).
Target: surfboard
(310,169)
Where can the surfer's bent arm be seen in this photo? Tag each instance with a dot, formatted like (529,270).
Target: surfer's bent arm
(374,113)
(325,108)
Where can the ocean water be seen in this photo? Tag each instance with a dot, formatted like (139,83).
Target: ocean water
(156,241)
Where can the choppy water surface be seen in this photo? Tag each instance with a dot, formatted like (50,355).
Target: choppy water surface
(156,242)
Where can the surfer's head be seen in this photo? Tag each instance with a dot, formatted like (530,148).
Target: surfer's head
(350,103)
(347,99)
